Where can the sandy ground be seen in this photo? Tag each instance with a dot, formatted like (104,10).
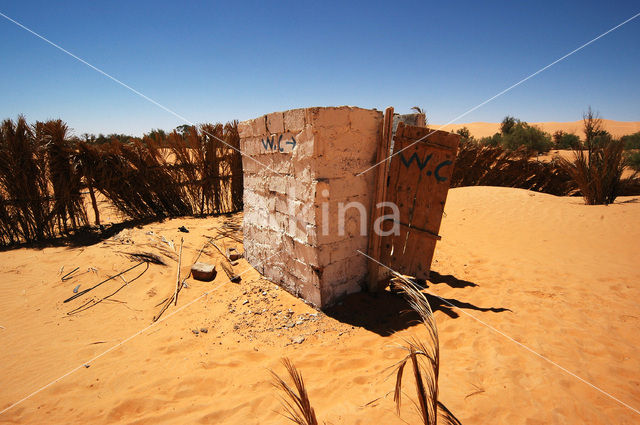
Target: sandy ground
(485,129)
(560,277)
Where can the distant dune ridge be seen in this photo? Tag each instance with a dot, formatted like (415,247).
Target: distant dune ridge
(485,129)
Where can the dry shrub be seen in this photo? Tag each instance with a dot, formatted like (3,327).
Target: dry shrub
(598,172)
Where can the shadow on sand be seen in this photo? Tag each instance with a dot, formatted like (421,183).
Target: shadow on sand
(92,235)
(387,312)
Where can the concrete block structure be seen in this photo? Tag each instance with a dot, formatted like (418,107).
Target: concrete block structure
(305,210)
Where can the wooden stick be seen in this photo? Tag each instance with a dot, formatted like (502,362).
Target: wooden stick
(167,303)
(79,294)
(175,295)
(71,272)
(226,265)
(382,173)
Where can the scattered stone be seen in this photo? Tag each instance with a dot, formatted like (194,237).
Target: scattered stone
(203,271)
(233,254)
(204,330)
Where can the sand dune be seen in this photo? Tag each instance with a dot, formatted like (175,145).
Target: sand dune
(553,274)
(485,129)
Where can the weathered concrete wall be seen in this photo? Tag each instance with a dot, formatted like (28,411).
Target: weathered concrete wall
(299,176)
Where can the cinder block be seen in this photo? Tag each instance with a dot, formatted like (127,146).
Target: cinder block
(275,123)
(278,184)
(259,126)
(244,130)
(294,120)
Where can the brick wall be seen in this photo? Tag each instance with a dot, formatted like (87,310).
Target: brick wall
(299,173)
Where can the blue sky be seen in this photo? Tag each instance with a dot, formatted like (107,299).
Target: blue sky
(211,61)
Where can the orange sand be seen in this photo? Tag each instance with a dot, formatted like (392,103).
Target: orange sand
(484,129)
(568,273)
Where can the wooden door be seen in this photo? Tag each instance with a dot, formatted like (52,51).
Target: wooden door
(418,183)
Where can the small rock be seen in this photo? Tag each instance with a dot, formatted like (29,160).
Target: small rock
(183,229)
(203,271)
(245,302)
(264,293)
(233,254)
(75,290)
(86,365)
(204,330)
(195,331)
(298,340)
(299,322)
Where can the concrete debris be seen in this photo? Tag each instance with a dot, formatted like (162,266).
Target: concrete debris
(203,271)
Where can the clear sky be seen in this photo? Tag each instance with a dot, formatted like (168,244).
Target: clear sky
(217,61)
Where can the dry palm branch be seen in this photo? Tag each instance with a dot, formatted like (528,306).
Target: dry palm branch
(295,400)
(81,293)
(424,361)
(93,302)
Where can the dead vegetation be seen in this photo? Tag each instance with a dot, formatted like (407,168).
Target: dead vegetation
(597,171)
(423,359)
(45,175)
(295,401)
(482,165)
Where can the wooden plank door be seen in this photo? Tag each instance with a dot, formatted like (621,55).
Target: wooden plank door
(418,183)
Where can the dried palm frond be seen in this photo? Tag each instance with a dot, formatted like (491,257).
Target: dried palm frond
(23,184)
(424,360)
(295,400)
(480,165)
(43,172)
(66,181)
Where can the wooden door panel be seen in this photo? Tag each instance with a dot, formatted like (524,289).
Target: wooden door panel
(418,183)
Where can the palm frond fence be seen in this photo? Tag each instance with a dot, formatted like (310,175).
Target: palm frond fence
(50,181)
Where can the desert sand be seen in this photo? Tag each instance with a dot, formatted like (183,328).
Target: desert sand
(485,129)
(555,275)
